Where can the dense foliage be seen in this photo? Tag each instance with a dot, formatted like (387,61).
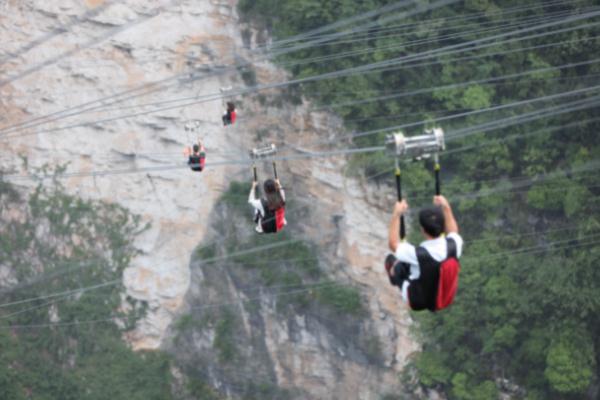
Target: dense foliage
(55,243)
(245,284)
(526,194)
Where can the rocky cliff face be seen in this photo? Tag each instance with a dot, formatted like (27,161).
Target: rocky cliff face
(128,44)
(148,48)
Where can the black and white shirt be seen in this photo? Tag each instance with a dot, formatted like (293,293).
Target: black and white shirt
(437,248)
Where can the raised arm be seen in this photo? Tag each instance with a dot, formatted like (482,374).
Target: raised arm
(449,220)
(280,189)
(252,195)
(394,230)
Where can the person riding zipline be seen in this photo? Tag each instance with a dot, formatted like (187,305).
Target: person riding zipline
(427,275)
(269,212)
(196,157)
(229,116)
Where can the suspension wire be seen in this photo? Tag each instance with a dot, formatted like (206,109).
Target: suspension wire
(531,250)
(206,306)
(589,167)
(475,128)
(136,114)
(411,43)
(36,307)
(117,282)
(517,182)
(206,98)
(78,291)
(399,94)
(522,182)
(397,62)
(545,247)
(371,31)
(57,31)
(444,51)
(177,76)
(339,73)
(422,91)
(410,27)
(434,113)
(166,157)
(46,276)
(515,120)
(483,193)
(67,292)
(496,142)
(140,60)
(90,43)
(411,65)
(371,14)
(553,111)
(481,27)
(419,42)
(382,67)
(476,57)
(519,103)
(419,9)
(271,287)
(326,282)
(85,263)
(416,92)
(520,136)
(66,297)
(260,298)
(480,43)
(246,161)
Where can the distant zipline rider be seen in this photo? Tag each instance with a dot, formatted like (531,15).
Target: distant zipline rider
(229,115)
(269,212)
(196,156)
(427,276)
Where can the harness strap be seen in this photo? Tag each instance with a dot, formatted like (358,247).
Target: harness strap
(451,244)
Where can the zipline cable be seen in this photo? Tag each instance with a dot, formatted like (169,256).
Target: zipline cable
(531,250)
(57,31)
(322,76)
(90,43)
(553,111)
(401,94)
(145,86)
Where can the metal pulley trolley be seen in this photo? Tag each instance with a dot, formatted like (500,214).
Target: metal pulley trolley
(415,148)
(263,152)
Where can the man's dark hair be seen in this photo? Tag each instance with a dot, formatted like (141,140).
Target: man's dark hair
(432,221)
(196,148)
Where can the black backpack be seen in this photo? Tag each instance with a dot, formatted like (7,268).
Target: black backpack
(437,284)
(195,161)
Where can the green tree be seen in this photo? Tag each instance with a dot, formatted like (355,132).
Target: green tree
(570,362)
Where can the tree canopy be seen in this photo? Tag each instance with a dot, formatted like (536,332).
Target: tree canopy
(523,179)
